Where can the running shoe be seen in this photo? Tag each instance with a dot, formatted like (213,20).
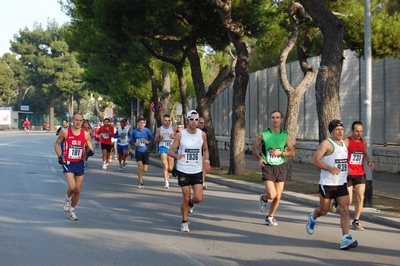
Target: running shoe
(270,221)
(104,166)
(310,224)
(204,186)
(120,168)
(334,205)
(185,227)
(191,209)
(166,186)
(72,216)
(348,242)
(263,204)
(356,225)
(141,186)
(174,173)
(123,165)
(67,204)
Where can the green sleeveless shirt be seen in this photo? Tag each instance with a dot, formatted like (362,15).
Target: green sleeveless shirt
(273,140)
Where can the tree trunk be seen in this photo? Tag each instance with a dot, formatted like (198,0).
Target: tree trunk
(166,92)
(53,98)
(294,94)
(98,111)
(237,145)
(203,102)
(155,120)
(330,70)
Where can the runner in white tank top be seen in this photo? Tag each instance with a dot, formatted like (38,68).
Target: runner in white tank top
(164,137)
(190,164)
(331,158)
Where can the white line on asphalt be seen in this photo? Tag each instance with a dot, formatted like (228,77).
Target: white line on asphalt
(186,257)
(53,170)
(63,182)
(104,209)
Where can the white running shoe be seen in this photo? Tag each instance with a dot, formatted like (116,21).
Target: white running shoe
(67,204)
(270,221)
(120,168)
(185,227)
(191,210)
(166,186)
(72,216)
(348,242)
(310,224)
(263,204)
(141,186)
(104,166)
(333,205)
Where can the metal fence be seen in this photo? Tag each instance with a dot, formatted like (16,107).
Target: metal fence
(265,94)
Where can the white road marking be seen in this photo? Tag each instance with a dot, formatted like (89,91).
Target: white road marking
(186,257)
(104,209)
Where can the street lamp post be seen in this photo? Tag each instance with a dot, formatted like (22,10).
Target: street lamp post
(368,98)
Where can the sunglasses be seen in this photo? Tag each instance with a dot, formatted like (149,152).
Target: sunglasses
(193,119)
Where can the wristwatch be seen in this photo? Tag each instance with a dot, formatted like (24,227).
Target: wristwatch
(207,161)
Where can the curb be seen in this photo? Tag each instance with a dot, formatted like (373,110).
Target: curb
(369,214)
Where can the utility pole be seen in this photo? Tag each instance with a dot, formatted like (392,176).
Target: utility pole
(368,98)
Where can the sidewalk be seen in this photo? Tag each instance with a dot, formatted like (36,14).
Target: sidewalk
(383,184)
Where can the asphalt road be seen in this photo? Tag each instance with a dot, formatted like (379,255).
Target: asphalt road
(120,224)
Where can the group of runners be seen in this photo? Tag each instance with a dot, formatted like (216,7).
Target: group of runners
(185,153)
(341,160)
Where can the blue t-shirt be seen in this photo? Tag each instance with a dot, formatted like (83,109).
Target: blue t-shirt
(140,136)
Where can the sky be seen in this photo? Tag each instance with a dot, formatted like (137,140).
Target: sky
(18,14)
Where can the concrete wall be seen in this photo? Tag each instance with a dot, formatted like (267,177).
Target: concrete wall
(264,94)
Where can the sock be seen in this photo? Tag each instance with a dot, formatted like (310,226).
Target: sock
(355,220)
(264,199)
(184,221)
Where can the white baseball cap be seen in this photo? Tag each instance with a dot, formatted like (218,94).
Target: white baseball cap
(191,112)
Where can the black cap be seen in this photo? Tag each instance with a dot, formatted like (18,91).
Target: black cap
(334,124)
